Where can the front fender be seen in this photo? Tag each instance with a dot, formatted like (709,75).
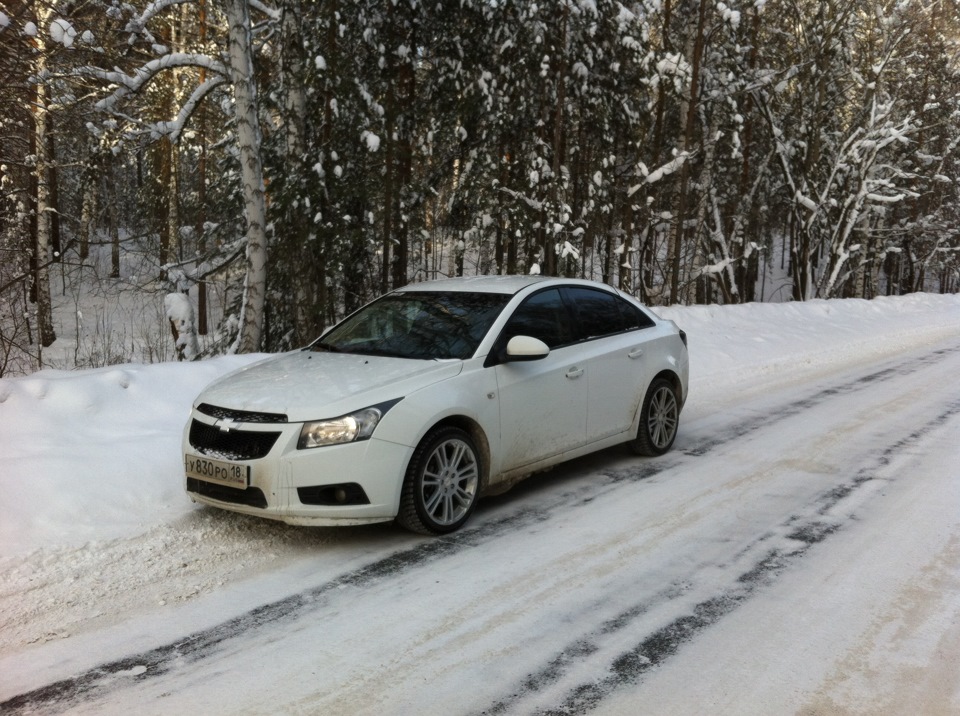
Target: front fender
(471,394)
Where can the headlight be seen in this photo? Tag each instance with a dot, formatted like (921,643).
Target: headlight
(345,429)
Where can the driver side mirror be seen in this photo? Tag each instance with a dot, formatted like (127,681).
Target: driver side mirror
(524,348)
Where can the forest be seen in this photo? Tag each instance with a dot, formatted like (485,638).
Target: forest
(275,165)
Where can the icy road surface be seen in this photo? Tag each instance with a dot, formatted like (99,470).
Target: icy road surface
(797,552)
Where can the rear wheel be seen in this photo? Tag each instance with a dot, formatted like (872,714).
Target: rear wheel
(442,482)
(659,419)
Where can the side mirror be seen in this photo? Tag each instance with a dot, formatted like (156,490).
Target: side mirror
(522,348)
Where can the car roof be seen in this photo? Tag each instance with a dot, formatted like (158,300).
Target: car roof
(493,284)
(477,284)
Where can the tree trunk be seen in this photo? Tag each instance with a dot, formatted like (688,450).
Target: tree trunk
(44,210)
(326,305)
(173,206)
(201,222)
(689,127)
(88,213)
(746,278)
(162,202)
(200,227)
(551,239)
(114,221)
(658,133)
(56,243)
(388,189)
(251,168)
(294,252)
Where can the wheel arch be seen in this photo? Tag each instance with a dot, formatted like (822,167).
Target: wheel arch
(674,380)
(414,512)
(479,436)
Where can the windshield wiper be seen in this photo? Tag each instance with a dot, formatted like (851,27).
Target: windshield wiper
(328,347)
(371,351)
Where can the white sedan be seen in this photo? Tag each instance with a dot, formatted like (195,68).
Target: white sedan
(433,395)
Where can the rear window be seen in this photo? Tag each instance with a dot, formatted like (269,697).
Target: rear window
(601,314)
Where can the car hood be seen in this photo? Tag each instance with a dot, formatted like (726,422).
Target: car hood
(306,385)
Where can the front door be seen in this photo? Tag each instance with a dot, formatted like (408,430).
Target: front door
(543,403)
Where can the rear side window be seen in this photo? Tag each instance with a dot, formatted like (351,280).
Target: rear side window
(601,314)
(544,315)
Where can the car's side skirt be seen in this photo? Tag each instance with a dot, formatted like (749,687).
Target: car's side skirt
(506,480)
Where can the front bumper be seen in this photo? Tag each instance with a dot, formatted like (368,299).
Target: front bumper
(282,479)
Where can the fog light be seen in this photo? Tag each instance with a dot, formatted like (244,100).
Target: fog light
(343,494)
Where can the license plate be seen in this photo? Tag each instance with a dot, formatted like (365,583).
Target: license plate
(219,471)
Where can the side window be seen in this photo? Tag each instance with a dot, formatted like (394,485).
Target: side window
(602,313)
(542,316)
(635,318)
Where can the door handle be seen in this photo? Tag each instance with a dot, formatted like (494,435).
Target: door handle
(574,373)
(635,353)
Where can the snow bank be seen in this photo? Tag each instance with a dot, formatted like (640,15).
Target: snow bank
(753,344)
(95,454)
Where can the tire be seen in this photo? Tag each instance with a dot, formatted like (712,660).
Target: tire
(659,419)
(442,483)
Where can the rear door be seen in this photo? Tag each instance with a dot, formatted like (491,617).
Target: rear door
(612,338)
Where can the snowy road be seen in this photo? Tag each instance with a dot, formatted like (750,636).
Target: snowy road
(798,552)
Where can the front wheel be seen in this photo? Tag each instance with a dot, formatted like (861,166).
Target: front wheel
(442,483)
(659,419)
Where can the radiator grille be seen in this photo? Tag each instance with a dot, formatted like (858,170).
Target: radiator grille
(241,416)
(213,442)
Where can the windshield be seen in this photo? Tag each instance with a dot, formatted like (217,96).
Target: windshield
(427,325)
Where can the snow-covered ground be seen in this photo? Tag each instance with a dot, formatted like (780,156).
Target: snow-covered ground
(798,551)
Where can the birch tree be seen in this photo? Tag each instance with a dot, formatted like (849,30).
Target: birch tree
(44,208)
(251,170)
(236,72)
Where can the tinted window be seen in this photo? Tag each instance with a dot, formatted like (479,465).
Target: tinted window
(633,317)
(542,316)
(601,313)
(425,325)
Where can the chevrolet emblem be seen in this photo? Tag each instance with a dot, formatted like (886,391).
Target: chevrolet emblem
(226,424)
